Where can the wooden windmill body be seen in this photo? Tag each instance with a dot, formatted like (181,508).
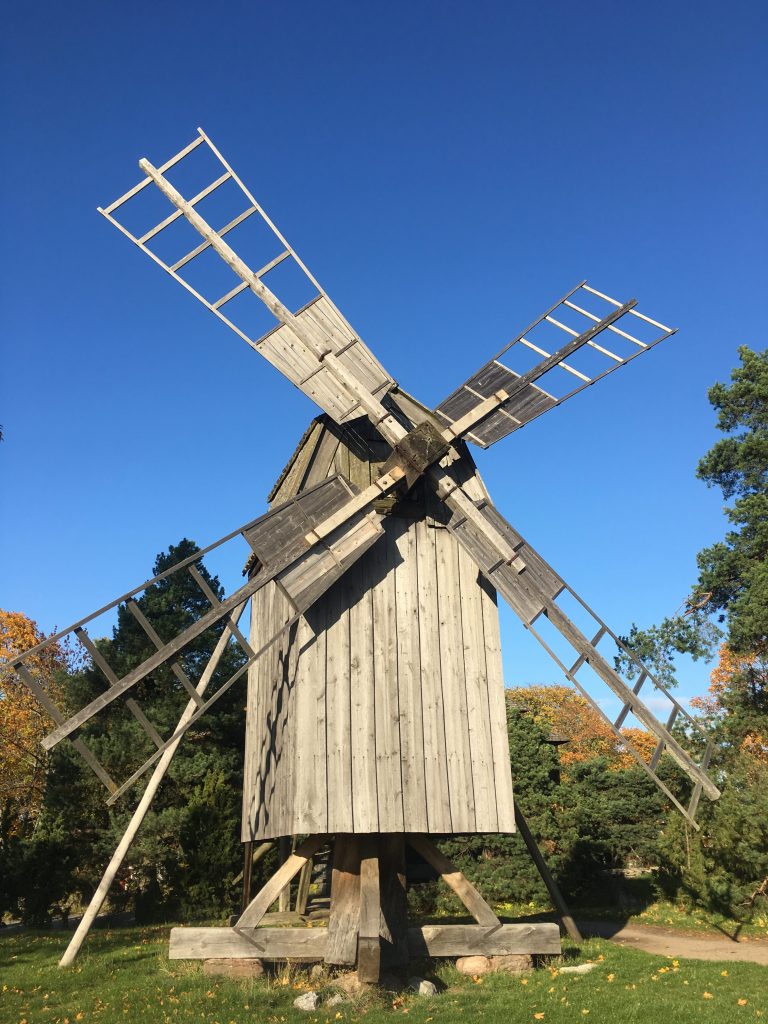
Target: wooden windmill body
(383,709)
(375,712)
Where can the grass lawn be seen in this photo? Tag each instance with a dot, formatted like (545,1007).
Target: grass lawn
(125,975)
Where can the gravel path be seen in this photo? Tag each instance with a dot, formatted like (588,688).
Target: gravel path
(685,945)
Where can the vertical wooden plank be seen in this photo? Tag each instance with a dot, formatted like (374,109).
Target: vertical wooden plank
(454,687)
(369,943)
(279,724)
(302,890)
(247,872)
(435,762)
(394,904)
(338,721)
(341,461)
(502,774)
(284,899)
(321,465)
(365,807)
(344,920)
(311,791)
(478,711)
(409,678)
(389,782)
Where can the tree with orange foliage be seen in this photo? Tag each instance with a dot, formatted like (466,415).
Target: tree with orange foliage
(737,701)
(562,709)
(23,763)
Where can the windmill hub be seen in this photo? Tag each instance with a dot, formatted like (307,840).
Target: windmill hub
(417,451)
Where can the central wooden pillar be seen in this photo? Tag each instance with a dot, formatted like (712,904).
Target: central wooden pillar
(368,922)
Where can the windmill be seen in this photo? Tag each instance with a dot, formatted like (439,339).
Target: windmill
(375,713)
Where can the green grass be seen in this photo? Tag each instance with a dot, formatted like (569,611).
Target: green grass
(660,913)
(125,975)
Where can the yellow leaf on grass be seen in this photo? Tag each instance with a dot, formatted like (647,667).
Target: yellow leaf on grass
(741,1002)
(538,1016)
(708,995)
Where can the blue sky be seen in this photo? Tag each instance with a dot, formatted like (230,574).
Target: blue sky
(447,171)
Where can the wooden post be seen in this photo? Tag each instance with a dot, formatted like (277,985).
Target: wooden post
(394,905)
(302,890)
(344,920)
(247,866)
(552,888)
(284,901)
(369,942)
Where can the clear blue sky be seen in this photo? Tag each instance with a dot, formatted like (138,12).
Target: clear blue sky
(447,170)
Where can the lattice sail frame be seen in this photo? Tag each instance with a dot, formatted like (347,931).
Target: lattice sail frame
(281,346)
(302,568)
(531,398)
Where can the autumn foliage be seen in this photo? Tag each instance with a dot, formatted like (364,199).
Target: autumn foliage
(565,712)
(22,720)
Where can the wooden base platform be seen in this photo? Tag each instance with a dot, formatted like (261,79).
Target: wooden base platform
(367,923)
(311,944)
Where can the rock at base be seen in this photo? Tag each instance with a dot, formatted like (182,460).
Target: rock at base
(513,963)
(350,984)
(231,967)
(335,1000)
(578,969)
(308,1001)
(473,965)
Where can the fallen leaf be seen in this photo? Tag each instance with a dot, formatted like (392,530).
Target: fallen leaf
(708,995)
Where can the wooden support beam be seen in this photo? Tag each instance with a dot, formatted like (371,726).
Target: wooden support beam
(264,943)
(552,887)
(97,900)
(344,920)
(368,942)
(302,891)
(454,878)
(471,939)
(284,899)
(312,943)
(394,904)
(246,875)
(267,895)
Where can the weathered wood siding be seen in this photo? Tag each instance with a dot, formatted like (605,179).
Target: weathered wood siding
(384,711)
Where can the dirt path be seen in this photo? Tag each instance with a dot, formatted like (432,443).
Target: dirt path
(685,945)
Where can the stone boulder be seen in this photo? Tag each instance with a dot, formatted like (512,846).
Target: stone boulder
(234,967)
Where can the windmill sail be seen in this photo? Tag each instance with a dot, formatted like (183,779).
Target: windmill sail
(303,333)
(285,550)
(538,595)
(535,372)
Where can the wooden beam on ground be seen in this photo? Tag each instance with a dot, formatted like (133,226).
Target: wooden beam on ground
(455,879)
(368,942)
(344,920)
(264,943)
(474,939)
(312,943)
(267,895)
(552,887)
